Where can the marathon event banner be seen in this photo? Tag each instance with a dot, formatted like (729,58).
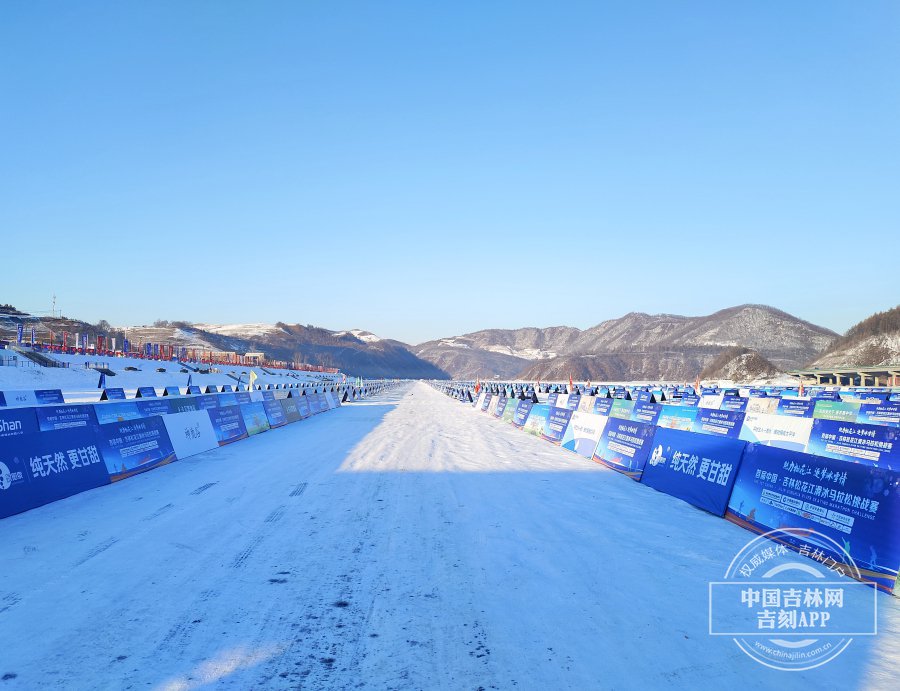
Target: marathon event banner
(574,401)
(783,431)
(723,422)
(523,411)
(226,399)
(510,411)
(274,413)
(485,404)
(117,411)
(879,414)
(734,403)
(303,406)
(289,408)
(625,446)
(796,407)
(145,392)
(697,468)
(677,417)
(38,468)
(154,406)
(228,424)
(207,401)
(583,433)
(501,405)
(552,398)
(183,405)
(603,406)
(856,442)
(63,417)
(48,396)
(856,505)
(15,422)
(314,406)
(646,412)
(190,433)
(836,410)
(621,408)
(323,402)
(113,395)
(255,419)
(556,424)
(537,419)
(134,446)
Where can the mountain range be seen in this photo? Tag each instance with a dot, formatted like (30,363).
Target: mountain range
(741,343)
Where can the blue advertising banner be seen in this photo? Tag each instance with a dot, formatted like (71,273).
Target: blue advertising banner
(677,417)
(323,402)
(274,413)
(49,396)
(556,424)
(697,468)
(134,446)
(157,406)
(621,408)
(113,395)
(523,410)
(193,390)
(879,414)
(145,392)
(183,405)
(836,410)
(854,504)
(552,398)
(856,442)
(537,418)
(501,405)
(207,401)
(734,403)
(226,399)
(646,412)
(228,424)
(314,406)
(255,418)
(486,403)
(65,417)
(602,406)
(243,397)
(303,406)
(625,446)
(724,422)
(795,407)
(784,431)
(289,408)
(15,422)
(574,400)
(268,395)
(117,411)
(171,391)
(583,433)
(41,467)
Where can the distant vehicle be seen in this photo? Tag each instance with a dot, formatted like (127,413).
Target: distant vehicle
(131,369)
(161,369)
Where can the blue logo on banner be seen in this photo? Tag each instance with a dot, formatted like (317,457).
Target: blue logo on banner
(135,446)
(697,468)
(625,446)
(38,468)
(15,422)
(856,505)
(556,424)
(856,442)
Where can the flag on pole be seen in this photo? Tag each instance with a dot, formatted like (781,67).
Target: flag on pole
(253,379)
(800,393)
(697,386)
(571,385)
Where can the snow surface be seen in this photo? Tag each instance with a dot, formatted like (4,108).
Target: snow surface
(407,542)
(362,335)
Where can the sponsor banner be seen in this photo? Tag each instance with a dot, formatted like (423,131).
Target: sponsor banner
(267,395)
(762,406)
(255,419)
(697,468)
(621,408)
(624,446)
(64,417)
(145,392)
(303,406)
(49,396)
(879,414)
(562,401)
(41,467)
(193,390)
(836,410)
(289,408)
(537,418)
(134,446)
(777,430)
(795,406)
(207,401)
(226,399)
(486,402)
(856,505)
(314,406)
(856,442)
(646,412)
(183,405)
(274,413)
(552,398)
(20,398)
(677,417)
(228,424)
(332,400)
(247,397)
(603,406)
(509,412)
(501,405)
(556,424)
(583,433)
(690,400)
(113,395)
(190,432)
(724,422)
(15,422)
(573,401)
(734,403)
(523,410)
(711,401)
(171,391)
(149,408)
(116,411)
(323,403)
(586,404)
(479,400)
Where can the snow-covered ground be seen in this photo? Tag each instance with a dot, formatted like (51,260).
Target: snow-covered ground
(407,542)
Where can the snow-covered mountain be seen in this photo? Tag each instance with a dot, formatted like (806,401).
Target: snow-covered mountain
(874,341)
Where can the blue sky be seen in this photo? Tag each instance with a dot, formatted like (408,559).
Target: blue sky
(427,169)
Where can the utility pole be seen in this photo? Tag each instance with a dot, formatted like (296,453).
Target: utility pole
(53,307)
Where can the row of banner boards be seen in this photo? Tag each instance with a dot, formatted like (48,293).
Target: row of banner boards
(50,452)
(784,467)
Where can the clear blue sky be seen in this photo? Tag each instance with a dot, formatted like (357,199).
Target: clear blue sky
(350,164)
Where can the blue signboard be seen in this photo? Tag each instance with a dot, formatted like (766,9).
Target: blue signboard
(734,403)
(303,406)
(795,407)
(268,395)
(879,414)
(726,423)
(15,422)
(49,396)
(501,405)
(113,395)
(856,442)
(242,397)
(145,392)
(856,505)
(228,424)
(644,411)
(485,404)
(697,468)
(116,411)
(135,446)
(255,418)
(314,406)
(556,424)
(574,400)
(289,408)
(193,390)
(274,413)
(523,410)
(207,401)
(625,446)
(158,406)
(602,406)
(65,417)
(171,391)
(41,467)
(183,405)
(552,398)
(226,399)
